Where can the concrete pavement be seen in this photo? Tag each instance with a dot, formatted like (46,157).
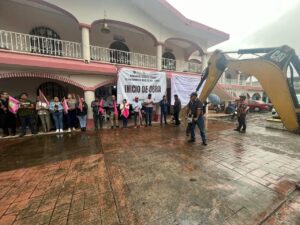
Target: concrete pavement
(151,176)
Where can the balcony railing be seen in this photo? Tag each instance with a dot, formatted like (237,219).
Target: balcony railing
(241,82)
(123,57)
(181,66)
(19,42)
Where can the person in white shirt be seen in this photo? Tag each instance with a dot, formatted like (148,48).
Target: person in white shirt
(44,114)
(149,104)
(137,109)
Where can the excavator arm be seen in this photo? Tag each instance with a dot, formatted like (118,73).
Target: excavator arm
(271,70)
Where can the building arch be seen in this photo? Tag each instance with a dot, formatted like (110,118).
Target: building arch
(52,89)
(42,75)
(119,53)
(169,61)
(189,49)
(125,24)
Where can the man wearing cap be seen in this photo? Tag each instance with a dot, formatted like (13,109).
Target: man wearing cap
(242,109)
(195,107)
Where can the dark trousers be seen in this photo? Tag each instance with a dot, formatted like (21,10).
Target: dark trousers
(176,117)
(200,124)
(148,117)
(163,115)
(242,122)
(98,120)
(27,121)
(72,118)
(125,121)
(8,121)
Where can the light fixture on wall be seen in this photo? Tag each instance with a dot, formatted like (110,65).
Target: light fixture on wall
(105,28)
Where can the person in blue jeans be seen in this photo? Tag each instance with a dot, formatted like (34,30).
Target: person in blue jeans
(195,107)
(149,104)
(81,109)
(164,104)
(56,110)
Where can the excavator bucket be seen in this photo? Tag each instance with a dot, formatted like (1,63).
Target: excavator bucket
(271,71)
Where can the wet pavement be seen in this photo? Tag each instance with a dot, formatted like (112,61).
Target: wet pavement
(152,176)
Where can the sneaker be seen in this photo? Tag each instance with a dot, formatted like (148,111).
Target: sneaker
(191,141)
(204,143)
(74,129)
(61,130)
(69,130)
(57,131)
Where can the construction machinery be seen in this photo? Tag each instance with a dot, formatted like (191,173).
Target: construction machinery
(277,70)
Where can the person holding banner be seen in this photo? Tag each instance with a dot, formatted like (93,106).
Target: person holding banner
(124,107)
(71,112)
(56,109)
(137,109)
(149,104)
(113,112)
(26,114)
(82,109)
(43,112)
(164,104)
(7,116)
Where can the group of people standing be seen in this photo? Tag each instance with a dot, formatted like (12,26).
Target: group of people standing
(28,113)
(139,110)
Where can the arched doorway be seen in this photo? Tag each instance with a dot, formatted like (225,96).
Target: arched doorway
(119,53)
(45,41)
(52,89)
(169,61)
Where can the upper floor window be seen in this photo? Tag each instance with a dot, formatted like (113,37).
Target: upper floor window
(119,53)
(45,41)
(169,61)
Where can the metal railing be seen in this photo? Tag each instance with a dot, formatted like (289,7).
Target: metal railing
(241,82)
(123,57)
(181,66)
(19,42)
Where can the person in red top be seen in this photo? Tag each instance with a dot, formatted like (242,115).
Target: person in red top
(242,109)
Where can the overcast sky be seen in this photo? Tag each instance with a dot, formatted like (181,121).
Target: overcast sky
(250,23)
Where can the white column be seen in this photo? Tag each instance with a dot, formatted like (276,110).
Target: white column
(85,35)
(238,78)
(204,60)
(159,55)
(89,96)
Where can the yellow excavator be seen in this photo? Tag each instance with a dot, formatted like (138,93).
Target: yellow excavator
(274,68)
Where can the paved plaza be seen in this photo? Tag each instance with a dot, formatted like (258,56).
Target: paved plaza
(152,176)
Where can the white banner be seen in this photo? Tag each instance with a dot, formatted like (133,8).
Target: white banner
(138,83)
(183,86)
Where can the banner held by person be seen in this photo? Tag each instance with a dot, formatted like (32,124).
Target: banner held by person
(138,83)
(43,98)
(13,105)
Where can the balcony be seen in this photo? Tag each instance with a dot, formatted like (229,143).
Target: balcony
(239,82)
(19,42)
